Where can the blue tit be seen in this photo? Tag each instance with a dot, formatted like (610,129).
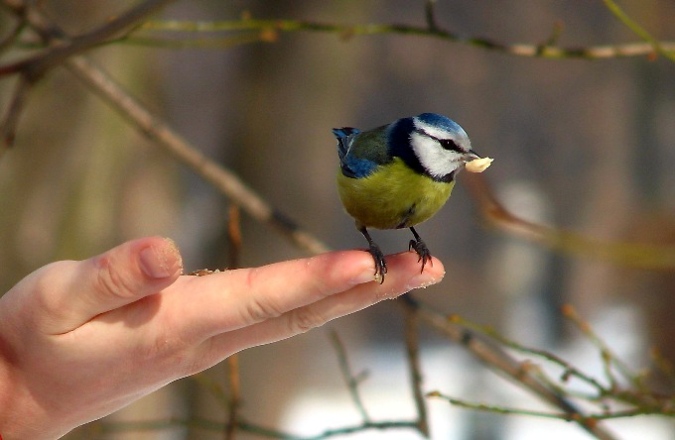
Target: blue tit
(399,175)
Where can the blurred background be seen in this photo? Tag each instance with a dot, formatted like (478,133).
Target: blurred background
(584,145)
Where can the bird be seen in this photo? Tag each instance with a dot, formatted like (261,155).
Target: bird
(399,175)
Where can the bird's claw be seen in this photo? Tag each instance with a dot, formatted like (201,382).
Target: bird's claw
(380,263)
(422,252)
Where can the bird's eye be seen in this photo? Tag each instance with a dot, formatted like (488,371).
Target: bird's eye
(449,144)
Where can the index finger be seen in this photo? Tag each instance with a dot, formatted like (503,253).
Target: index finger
(234,299)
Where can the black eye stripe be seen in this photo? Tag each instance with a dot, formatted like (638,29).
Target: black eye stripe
(447,144)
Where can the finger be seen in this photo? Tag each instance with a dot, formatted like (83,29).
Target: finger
(403,275)
(73,292)
(233,299)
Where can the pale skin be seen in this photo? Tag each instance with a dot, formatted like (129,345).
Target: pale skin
(82,339)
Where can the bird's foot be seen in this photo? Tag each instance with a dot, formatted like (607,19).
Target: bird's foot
(380,263)
(422,252)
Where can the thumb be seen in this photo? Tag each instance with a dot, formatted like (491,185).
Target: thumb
(72,292)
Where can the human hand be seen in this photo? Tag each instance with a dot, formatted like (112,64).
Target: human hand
(81,339)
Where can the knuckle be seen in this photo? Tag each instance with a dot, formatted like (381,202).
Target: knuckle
(260,309)
(305,319)
(111,281)
(257,311)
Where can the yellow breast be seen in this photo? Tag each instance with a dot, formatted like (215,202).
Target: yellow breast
(392,197)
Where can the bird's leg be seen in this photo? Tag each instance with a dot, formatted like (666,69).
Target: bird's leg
(420,247)
(378,256)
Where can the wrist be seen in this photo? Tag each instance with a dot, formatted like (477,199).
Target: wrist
(20,421)
(21,417)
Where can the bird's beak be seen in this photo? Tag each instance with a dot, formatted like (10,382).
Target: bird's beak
(471,155)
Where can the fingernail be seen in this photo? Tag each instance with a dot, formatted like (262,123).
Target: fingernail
(161,261)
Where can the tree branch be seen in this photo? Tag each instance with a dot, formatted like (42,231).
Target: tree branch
(638,30)
(625,254)
(351,380)
(230,185)
(497,359)
(415,370)
(63,47)
(266,28)
(224,180)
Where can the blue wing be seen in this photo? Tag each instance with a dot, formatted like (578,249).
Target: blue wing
(360,153)
(344,135)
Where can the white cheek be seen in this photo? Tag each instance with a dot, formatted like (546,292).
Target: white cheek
(435,159)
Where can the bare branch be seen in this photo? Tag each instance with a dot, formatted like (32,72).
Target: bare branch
(352,381)
(62,47)
(10,120)
(234,237)
(641,32)
(221,178)
(12,35)
(235,241)
(569,370)
(496,358)
(212,426)
(430,15)
(625,254)
(503,410)
(608,357)
(412,352)
(589,419)
(431,29)
(235,397)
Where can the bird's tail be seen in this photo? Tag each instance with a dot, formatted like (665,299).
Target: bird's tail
(343,135)
(345,131)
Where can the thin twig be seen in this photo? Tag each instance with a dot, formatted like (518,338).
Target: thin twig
(235,242)
(413,358)
(234,237)
(352,381)
(35,66)
(640,255)
(10,120)
(550,51)
(12,36)
(61,47)
(569,369)
(430,15)
(641,32)
(639,396)
(496,358)
(225,42)
(587,418)
(503,410)
(29,13)
(235,397)
(663,366)
(610,361)
(252,428)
